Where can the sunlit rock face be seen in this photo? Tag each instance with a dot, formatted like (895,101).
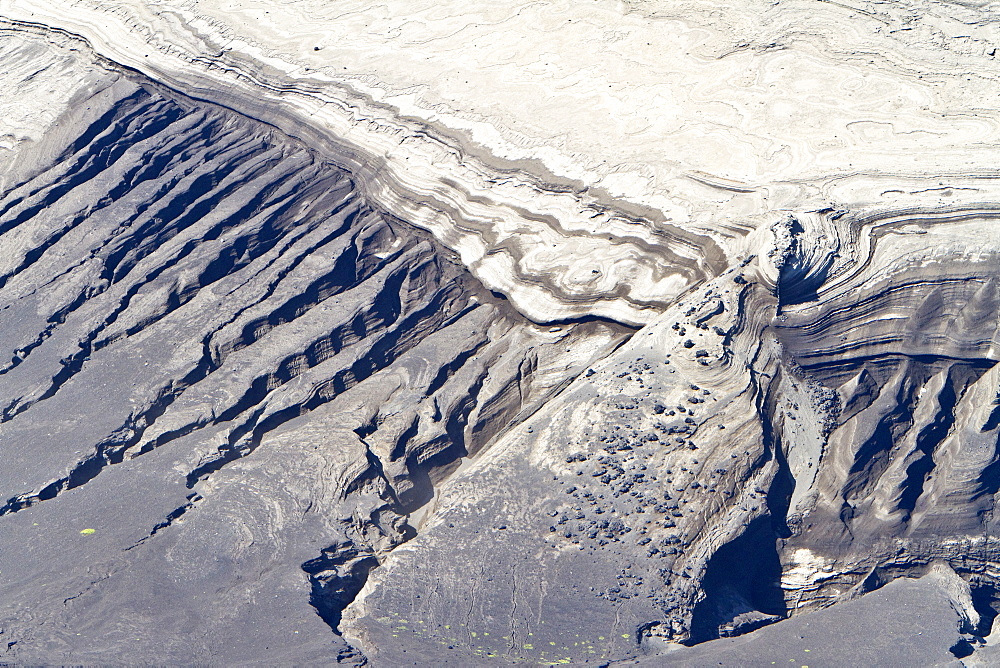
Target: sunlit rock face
(498,333)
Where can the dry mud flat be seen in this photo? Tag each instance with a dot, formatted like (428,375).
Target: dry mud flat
(312,356)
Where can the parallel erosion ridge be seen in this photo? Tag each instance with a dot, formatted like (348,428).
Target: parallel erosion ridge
(641,333)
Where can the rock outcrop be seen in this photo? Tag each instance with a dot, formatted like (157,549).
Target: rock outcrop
(297,371)
(185,287)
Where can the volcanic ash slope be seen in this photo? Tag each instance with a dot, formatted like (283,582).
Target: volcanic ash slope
(231,371)
(302,366)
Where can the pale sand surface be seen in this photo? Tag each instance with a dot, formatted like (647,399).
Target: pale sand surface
(707,117)
(797,201)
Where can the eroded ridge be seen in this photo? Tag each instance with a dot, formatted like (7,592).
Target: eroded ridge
(556,249)
(907,341)
(275,376)
(212,332)
(810,425)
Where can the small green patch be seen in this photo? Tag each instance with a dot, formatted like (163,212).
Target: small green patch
(87,532)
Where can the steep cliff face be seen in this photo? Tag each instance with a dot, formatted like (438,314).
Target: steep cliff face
(906,337)
(285,388)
